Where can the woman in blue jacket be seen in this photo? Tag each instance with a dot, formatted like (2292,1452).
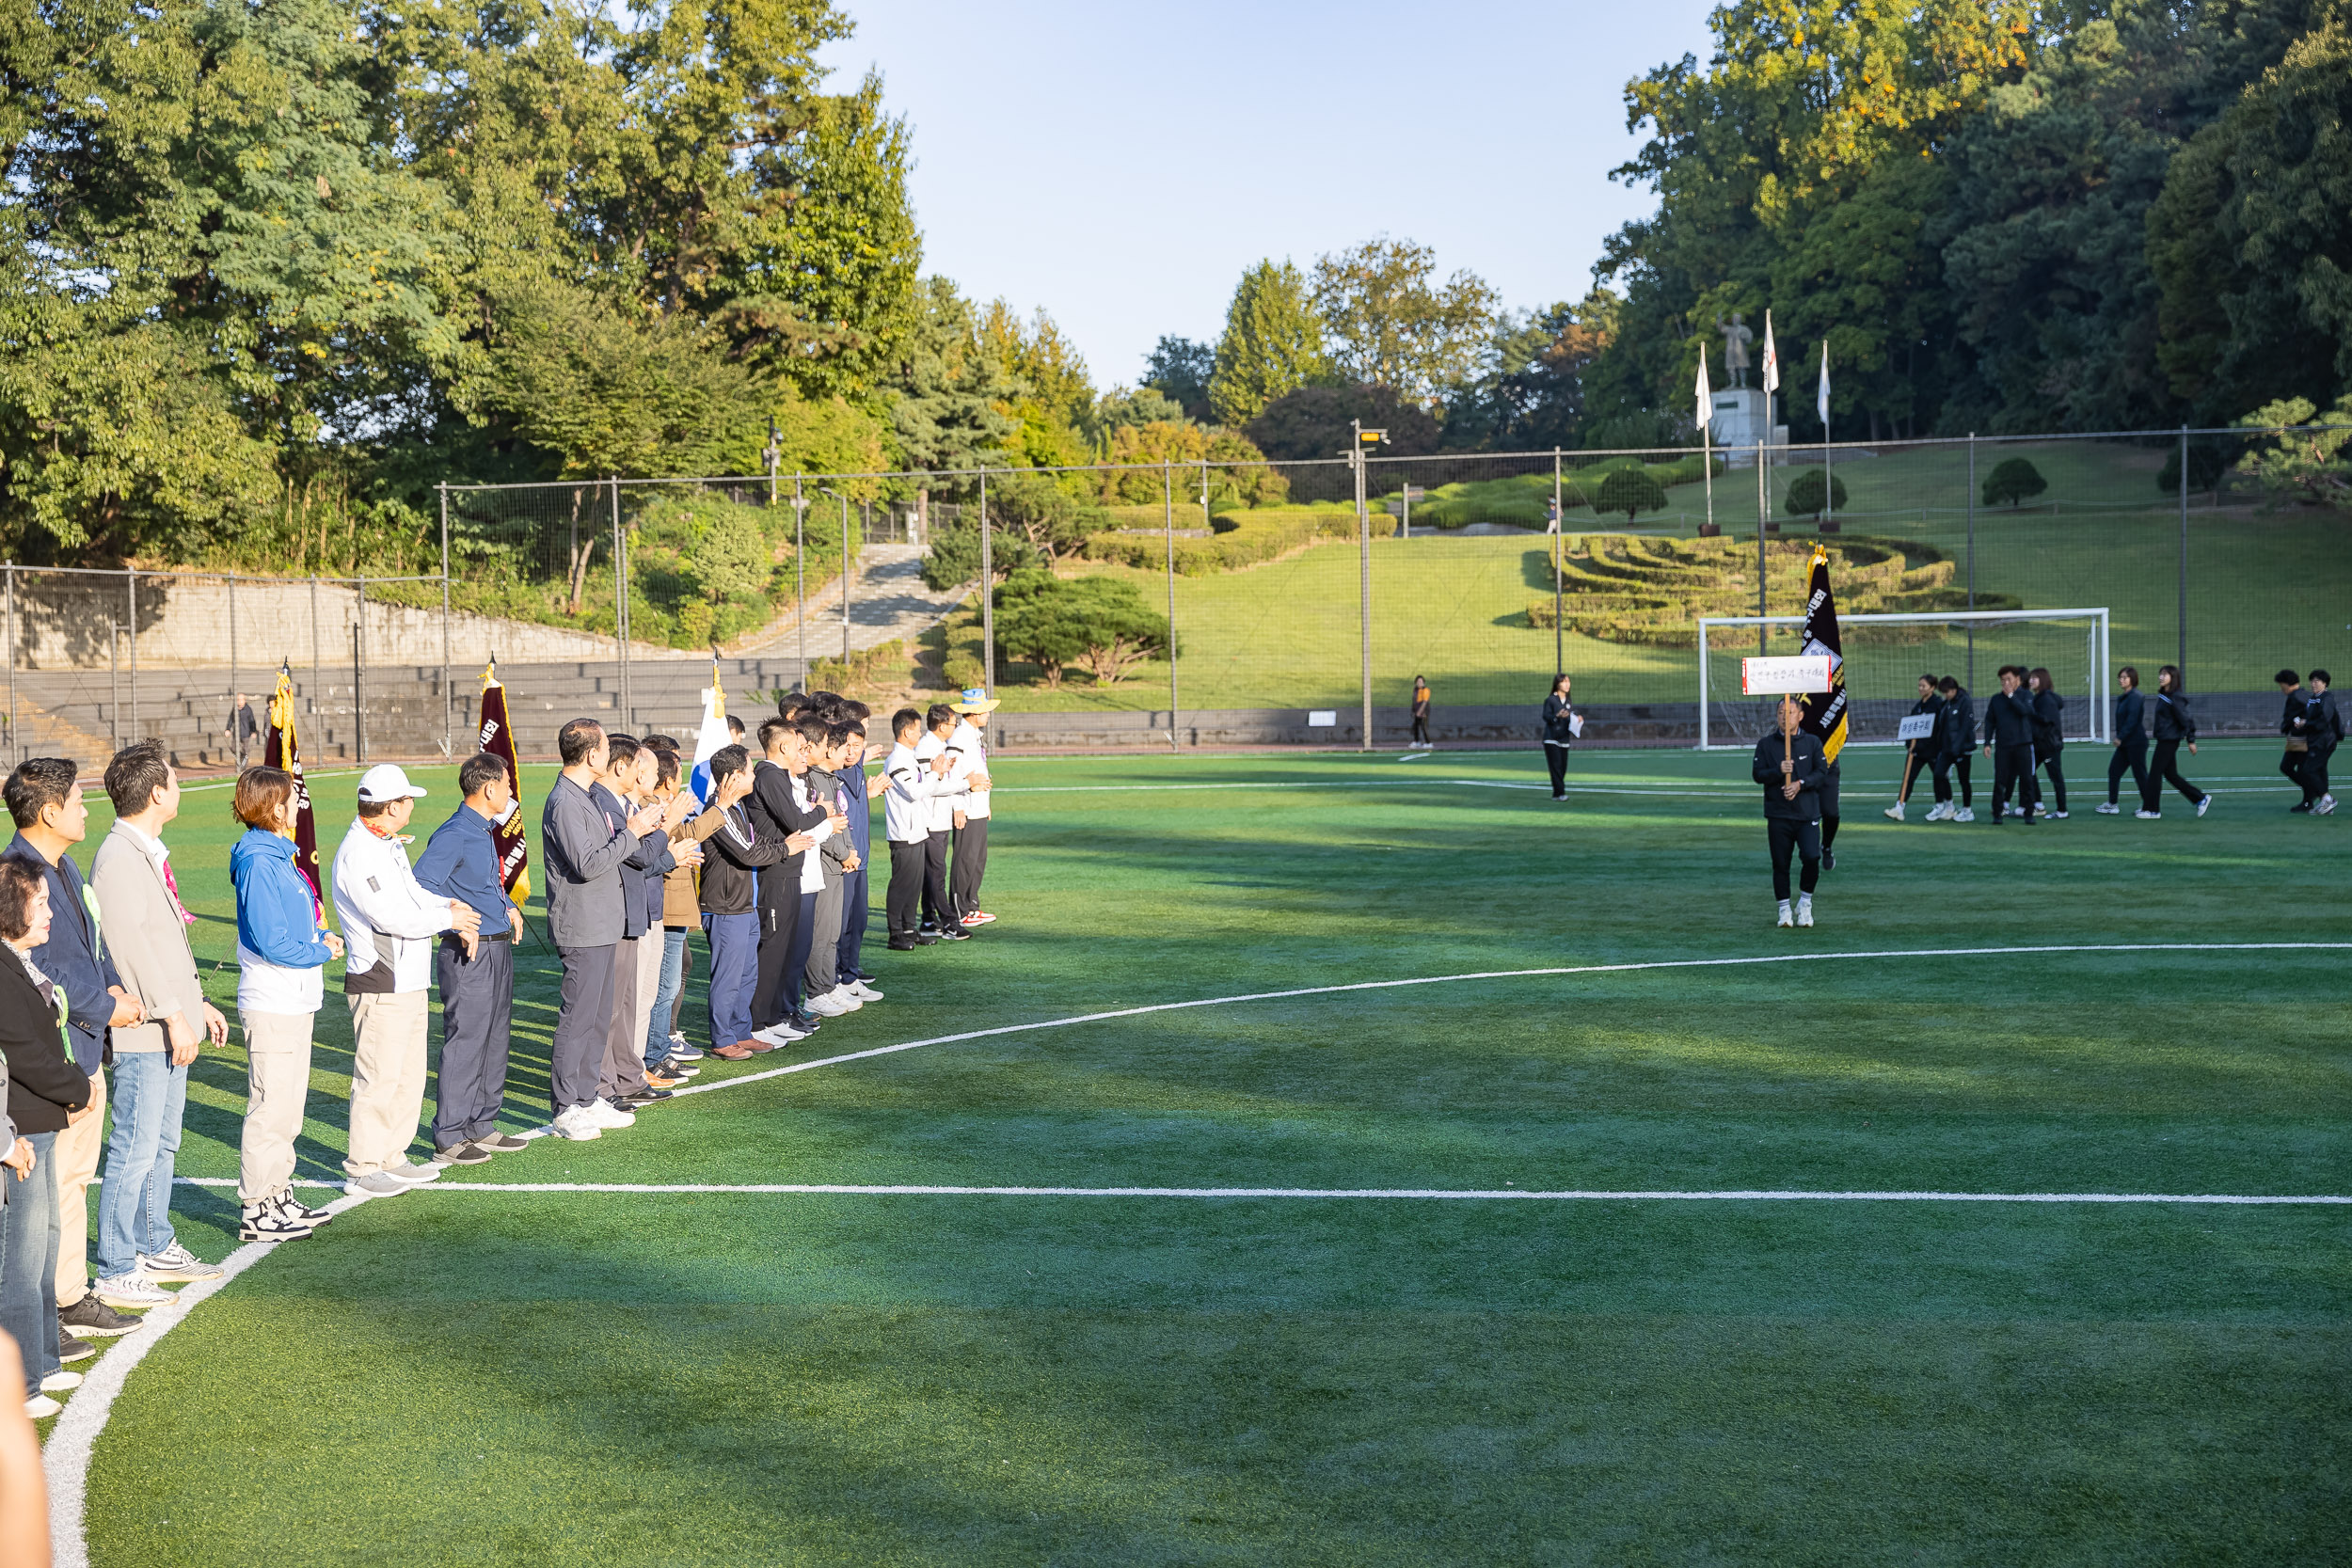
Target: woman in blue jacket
(282,950)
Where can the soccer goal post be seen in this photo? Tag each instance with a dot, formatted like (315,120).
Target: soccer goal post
(1886,655)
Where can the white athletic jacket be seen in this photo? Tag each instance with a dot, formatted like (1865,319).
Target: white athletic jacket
(967,756)
(914,793)
(388,922)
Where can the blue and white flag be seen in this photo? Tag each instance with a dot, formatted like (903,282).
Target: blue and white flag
(711,737)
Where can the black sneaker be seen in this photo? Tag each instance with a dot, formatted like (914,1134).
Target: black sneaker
(1829,862)
(72,1349)
(642,1099)
(502,1142)
(862,974)
(955,933)
(93,1317)
(2300,806)
(906,945)
(462,1154)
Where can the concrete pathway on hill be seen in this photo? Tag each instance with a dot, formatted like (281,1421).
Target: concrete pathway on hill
(887,601)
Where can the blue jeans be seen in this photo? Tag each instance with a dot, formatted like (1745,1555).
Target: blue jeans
(28,1262)
(734,975)
(672,977)
(134,1202)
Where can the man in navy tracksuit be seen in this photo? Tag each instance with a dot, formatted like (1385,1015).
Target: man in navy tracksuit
(2009,725)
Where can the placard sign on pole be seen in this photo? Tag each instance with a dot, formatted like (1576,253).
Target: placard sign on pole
(1792,673)
(1917,726)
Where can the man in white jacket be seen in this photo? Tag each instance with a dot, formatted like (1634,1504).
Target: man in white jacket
(393,926)
(917,868)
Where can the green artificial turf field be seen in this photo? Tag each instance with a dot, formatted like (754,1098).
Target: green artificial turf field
(672,1377)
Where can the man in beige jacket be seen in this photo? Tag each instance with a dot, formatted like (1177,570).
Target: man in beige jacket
(147,932)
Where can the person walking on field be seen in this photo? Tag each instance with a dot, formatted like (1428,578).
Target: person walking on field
(282,950)
(2049,735)
(1955,748)
(1916,752)
(1421,713)
(1792,776)
(2131,743)
(2324,730)
(147,932)
(1560,726)
(2009,725)
(2175,729)
(391,925)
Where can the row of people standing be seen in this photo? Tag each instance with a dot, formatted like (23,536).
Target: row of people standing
(2313,728)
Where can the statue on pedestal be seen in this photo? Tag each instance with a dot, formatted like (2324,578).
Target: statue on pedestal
(1737,336)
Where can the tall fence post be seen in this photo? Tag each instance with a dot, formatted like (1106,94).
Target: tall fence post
(1363,572)
(315,666)
(16,745)
(1559,571)
(359,706)
(131,601)
(232,641)
(2182,659)
(800,575)
(1167,512)
(449,700)
(620,600)
(988,598)
(1971,500)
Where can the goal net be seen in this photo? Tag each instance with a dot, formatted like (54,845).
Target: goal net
(1886,655)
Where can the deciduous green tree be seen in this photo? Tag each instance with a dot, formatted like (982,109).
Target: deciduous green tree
(1389,324)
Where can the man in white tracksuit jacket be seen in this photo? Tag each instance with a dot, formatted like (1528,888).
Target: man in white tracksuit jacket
(390,928)
(967,759)
(918,785)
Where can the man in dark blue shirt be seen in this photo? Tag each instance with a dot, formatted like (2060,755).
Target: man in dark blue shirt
(45,801)
(476,973)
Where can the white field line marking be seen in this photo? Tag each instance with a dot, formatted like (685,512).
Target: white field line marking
(67,1454)
(1481,1195)
(1862,791)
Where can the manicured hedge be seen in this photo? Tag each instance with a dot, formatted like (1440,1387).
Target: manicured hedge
(1245,538)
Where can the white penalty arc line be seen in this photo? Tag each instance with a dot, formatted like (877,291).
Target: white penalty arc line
(66,1457)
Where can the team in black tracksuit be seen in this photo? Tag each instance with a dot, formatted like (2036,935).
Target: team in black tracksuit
(2049,734)
(1955,746)
(1792,823)
(2175,729)
(2009,723)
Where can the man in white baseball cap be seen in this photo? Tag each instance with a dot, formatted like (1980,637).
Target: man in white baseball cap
(390,928)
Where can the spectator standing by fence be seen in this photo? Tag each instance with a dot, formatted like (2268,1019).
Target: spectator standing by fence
(244,727)
(1421,713)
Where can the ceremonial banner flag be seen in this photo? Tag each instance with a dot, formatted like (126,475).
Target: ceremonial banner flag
(1820,400)
(1704,419)
(498,738)
(278,750)
(1771,357)
(1824,710)
(711,737)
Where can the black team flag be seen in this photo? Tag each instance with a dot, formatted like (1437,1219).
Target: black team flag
(498,738)
(1825,711)
(278,750)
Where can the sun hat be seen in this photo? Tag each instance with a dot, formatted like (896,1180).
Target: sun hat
(976,700)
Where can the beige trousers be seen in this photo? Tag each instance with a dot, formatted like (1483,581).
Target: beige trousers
(386,1078)
(649,949)
(278,1079)
(76,1157)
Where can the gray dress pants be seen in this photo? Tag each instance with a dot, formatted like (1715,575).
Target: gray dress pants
(583,1025)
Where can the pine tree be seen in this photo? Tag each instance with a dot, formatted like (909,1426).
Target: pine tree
(1273,343)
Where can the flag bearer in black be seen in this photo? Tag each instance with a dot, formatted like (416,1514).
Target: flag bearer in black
(1955,740)
(2326,729)
(2009,741)
(1792,778)
(2175,729)
(1916,753)
(2049,734)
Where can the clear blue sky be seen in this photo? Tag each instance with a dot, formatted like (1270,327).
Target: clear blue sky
(1119,165)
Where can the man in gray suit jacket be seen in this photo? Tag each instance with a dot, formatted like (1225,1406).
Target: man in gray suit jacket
(585,845)
(147,932)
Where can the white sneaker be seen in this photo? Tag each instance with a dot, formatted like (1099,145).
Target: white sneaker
(2326,807)
(2202,804)
(2108,808)
(779,1034)
(1936,811)
(603,1113)
(863,991)
(130,1290)
(1963,815)
(1894,812)
(41,1407)
(2149,816)
(414,1173)
(1804,909)
(1786,918)
(60,1383)
(577,1124)
(847,995)
(831,1006)
(2057,816)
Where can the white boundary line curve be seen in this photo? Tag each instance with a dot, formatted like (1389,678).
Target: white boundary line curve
(73,1440)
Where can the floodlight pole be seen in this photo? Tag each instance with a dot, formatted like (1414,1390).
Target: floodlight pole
(1168,517)
(1363,555)
(1971,558)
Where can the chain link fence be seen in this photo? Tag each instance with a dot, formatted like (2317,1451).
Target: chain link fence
(1301,600)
